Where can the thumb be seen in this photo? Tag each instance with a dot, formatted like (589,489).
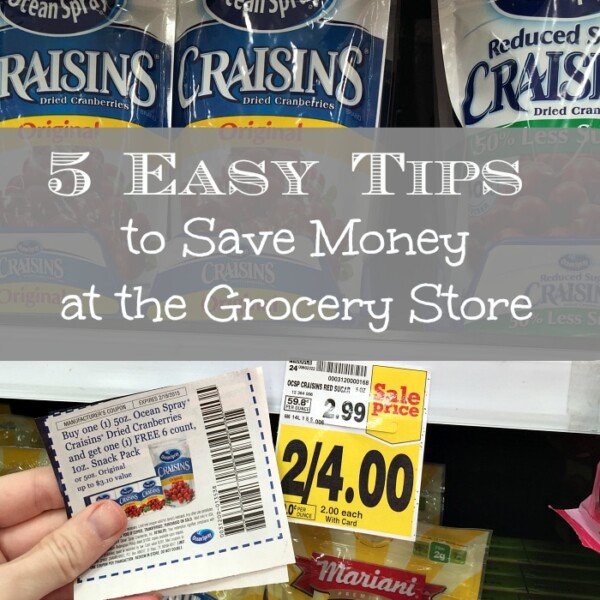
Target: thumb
(67,552)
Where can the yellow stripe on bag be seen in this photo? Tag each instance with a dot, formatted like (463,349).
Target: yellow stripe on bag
(64,122)
(256,121)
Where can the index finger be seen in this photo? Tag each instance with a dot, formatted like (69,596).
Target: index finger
(28,494)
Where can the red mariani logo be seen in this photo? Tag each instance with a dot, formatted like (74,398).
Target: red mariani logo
(329,574)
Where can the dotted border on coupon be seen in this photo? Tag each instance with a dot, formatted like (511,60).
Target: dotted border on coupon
(56,467)
(212,552)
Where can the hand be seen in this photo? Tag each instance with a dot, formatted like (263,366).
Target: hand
(41,552)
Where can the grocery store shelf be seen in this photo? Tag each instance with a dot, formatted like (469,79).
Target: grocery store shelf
(555,396)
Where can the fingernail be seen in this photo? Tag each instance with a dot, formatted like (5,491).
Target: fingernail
(107,520)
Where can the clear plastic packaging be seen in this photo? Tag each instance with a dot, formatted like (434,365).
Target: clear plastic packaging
(19,431)
(86,64)
(585,519)
(522,64)
(248,593)
(14,459)
(431,500)
(309,63)
(443,563)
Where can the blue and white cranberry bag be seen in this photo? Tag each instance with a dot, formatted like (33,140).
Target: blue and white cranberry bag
(86,63)
(173,466)
(528,63)
(279,63)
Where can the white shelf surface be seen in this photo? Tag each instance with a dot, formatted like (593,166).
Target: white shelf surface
(545,395)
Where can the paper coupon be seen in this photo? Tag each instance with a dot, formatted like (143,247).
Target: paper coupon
(194,469)
(350,445)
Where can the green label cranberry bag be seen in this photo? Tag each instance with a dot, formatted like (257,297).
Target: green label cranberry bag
(530,63)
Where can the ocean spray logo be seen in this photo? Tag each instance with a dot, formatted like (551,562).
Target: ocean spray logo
(202,536)
(60,17)
(127,496)
(170,455)
(268,15)
(151,488)
(29,247)
(545,9)
(574,262)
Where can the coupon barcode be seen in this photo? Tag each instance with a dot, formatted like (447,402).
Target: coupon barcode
(245,468)
(336,368)
(230,449)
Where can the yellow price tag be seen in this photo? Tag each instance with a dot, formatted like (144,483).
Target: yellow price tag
(352,460)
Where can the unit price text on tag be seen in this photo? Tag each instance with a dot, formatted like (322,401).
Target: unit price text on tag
(350,445)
